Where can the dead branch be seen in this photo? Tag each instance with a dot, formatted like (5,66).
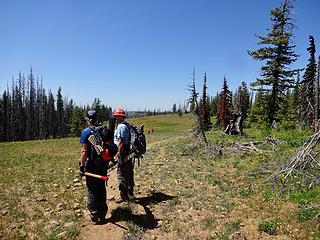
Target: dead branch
(302,161)
(253,145)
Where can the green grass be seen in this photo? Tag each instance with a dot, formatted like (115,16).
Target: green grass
(164,126)
(230,228)
(36,176)
(209,197)
(269,226)
(305,195)
(307,213)
(29,172)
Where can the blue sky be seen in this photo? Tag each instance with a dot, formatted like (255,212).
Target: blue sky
(140,54)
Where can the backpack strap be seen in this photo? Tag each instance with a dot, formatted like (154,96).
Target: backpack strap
(96,129)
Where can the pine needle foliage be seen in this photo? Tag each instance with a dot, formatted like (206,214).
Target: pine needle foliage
(277,52)
(204,107)
(224,105)
(307,89)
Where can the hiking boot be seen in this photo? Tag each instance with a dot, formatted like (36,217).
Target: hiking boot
(131,197)
(102,220)
(95,219)
(122,198)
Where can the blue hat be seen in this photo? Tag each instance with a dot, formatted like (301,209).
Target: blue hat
(91,114)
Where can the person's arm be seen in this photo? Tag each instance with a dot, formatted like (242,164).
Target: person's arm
(121,146)
(84,154)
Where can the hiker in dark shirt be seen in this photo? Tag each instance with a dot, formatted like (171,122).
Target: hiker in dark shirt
(91,162)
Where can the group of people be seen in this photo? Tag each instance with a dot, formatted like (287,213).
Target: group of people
(92,162)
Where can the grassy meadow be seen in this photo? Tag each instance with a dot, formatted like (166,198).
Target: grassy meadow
(41,194)
(186,191)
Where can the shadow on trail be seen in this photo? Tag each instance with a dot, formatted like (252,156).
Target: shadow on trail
(154,198)
(144,221)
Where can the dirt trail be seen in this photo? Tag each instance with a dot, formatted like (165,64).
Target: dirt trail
(111,229)
(107,230)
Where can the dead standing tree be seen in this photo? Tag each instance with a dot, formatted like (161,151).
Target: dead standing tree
(235,126)
(198,128)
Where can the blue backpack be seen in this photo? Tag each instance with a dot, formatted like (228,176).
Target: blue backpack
(137,139)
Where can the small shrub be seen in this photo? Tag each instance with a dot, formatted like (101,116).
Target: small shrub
(266,195)
(212,179)
(134,231)
(269,226)
(245,192)
(234,225)
(196,204)
(265,128)
(170,205)
(231,227)
(306,213)
(228,205)
(208,222)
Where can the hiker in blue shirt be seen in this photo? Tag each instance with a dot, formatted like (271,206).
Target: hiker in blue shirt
(125,165)
(91,162)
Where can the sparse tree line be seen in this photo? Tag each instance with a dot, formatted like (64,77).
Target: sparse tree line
(28,112)
(279,97)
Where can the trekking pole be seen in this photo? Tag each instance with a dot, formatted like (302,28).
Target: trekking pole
(104,178)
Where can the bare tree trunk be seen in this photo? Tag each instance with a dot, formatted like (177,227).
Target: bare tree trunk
(316,113)
(235,126)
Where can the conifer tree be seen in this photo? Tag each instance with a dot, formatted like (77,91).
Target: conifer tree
(241,100)
(174,108)
(51,116)
(307,92)
(68,114)
(96,105)
(2,117)
(213,103)
(179,110)
(278,52)
(317,98)
(60,114)
(14,112)
(43,114)
(5,108)
(224,105)
(204,107)
(258,108)
(30,130)
(22,109)
(77,121)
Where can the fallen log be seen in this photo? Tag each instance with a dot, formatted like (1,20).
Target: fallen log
(304,162)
